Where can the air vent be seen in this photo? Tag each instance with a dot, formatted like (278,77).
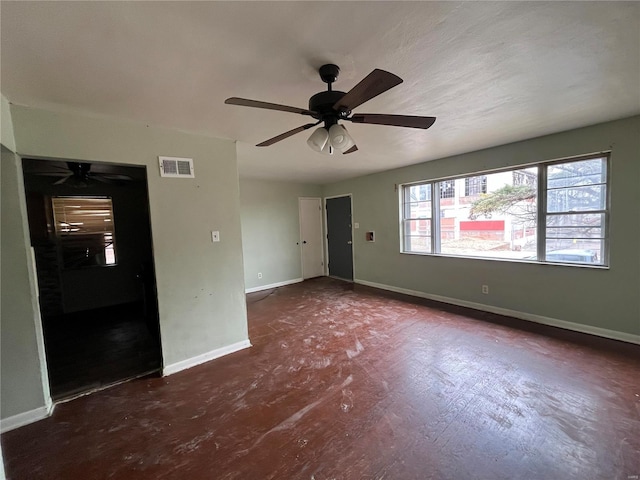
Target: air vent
(176,167)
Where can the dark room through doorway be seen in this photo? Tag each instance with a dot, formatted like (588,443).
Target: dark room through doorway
(90,232)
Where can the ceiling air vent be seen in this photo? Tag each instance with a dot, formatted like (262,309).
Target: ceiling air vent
(176,167)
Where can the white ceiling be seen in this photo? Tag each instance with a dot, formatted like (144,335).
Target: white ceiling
(491,72)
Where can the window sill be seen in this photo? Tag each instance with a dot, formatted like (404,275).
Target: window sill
(510,260)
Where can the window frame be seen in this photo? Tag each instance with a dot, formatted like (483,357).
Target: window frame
(541,213)
(404,204)
(63,239)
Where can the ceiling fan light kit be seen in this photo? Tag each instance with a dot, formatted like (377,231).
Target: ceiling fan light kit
(328,149)
(331,106)
(336,138)
(339,138)
(318,139)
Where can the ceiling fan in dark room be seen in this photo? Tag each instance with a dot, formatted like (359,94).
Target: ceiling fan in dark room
(331,107)
(75,174)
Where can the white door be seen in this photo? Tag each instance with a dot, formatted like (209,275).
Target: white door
(311,237)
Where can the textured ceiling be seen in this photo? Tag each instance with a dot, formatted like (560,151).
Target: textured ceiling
(491,72)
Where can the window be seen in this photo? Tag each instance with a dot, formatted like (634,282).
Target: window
(417,208)
(475,185)
(447,189)
(576,211)
(85,232)
(552,212)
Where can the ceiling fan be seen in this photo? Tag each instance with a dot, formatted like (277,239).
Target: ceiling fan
(79,174)
(333,106)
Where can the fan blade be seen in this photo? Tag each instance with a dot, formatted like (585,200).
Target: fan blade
(411,121)
(377,82)
(49,174)
(351,150)
(112,176)
(63,179)
(50,169)
(284,135)
(101,179)
(244,102)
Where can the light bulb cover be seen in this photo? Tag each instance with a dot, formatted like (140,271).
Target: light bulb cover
(339,137)
(318,139)
(328,149)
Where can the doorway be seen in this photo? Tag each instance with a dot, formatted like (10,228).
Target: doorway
(339,237)
(90,232)
(310,211)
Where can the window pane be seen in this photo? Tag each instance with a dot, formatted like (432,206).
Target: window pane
(576,187)
(418,227)
(587,251)
(586,198)
(574,232)
(416,193)
(499,221)
(417,210)
(571,174)
(580,225)
(416,244)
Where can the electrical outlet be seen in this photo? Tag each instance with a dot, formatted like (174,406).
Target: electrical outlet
(259,275)
(485,289)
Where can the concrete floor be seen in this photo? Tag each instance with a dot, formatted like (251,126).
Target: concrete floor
(348,382)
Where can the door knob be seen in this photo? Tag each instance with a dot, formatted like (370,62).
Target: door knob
(304,241)
(349,242)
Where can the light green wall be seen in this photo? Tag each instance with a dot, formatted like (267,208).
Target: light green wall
(200,283)
(6,125)
(24,385)
(271,230)
(608,299)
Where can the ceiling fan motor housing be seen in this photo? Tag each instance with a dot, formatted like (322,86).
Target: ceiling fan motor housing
(79,169)
(323,103)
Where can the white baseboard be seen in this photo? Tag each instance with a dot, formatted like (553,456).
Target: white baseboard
(553,322)
(273,285)
(205,357)
(25,418)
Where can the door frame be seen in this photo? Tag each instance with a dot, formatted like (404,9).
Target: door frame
(50,403)
(326,236)
(322,229)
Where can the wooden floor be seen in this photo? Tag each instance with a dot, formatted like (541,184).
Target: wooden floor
(349,382)
(90,349)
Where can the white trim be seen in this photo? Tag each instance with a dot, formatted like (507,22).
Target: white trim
(553,322)
(26,418)
(272,285)
(42,356)
(205,357)
(300,217)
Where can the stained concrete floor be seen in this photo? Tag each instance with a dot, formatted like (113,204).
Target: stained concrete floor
(347,382)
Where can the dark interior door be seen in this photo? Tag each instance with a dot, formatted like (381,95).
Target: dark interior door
(339,237)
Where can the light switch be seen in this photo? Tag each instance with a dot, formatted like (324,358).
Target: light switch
(215,236)
(356,225)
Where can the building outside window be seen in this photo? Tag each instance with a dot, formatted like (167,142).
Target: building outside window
(475,185)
